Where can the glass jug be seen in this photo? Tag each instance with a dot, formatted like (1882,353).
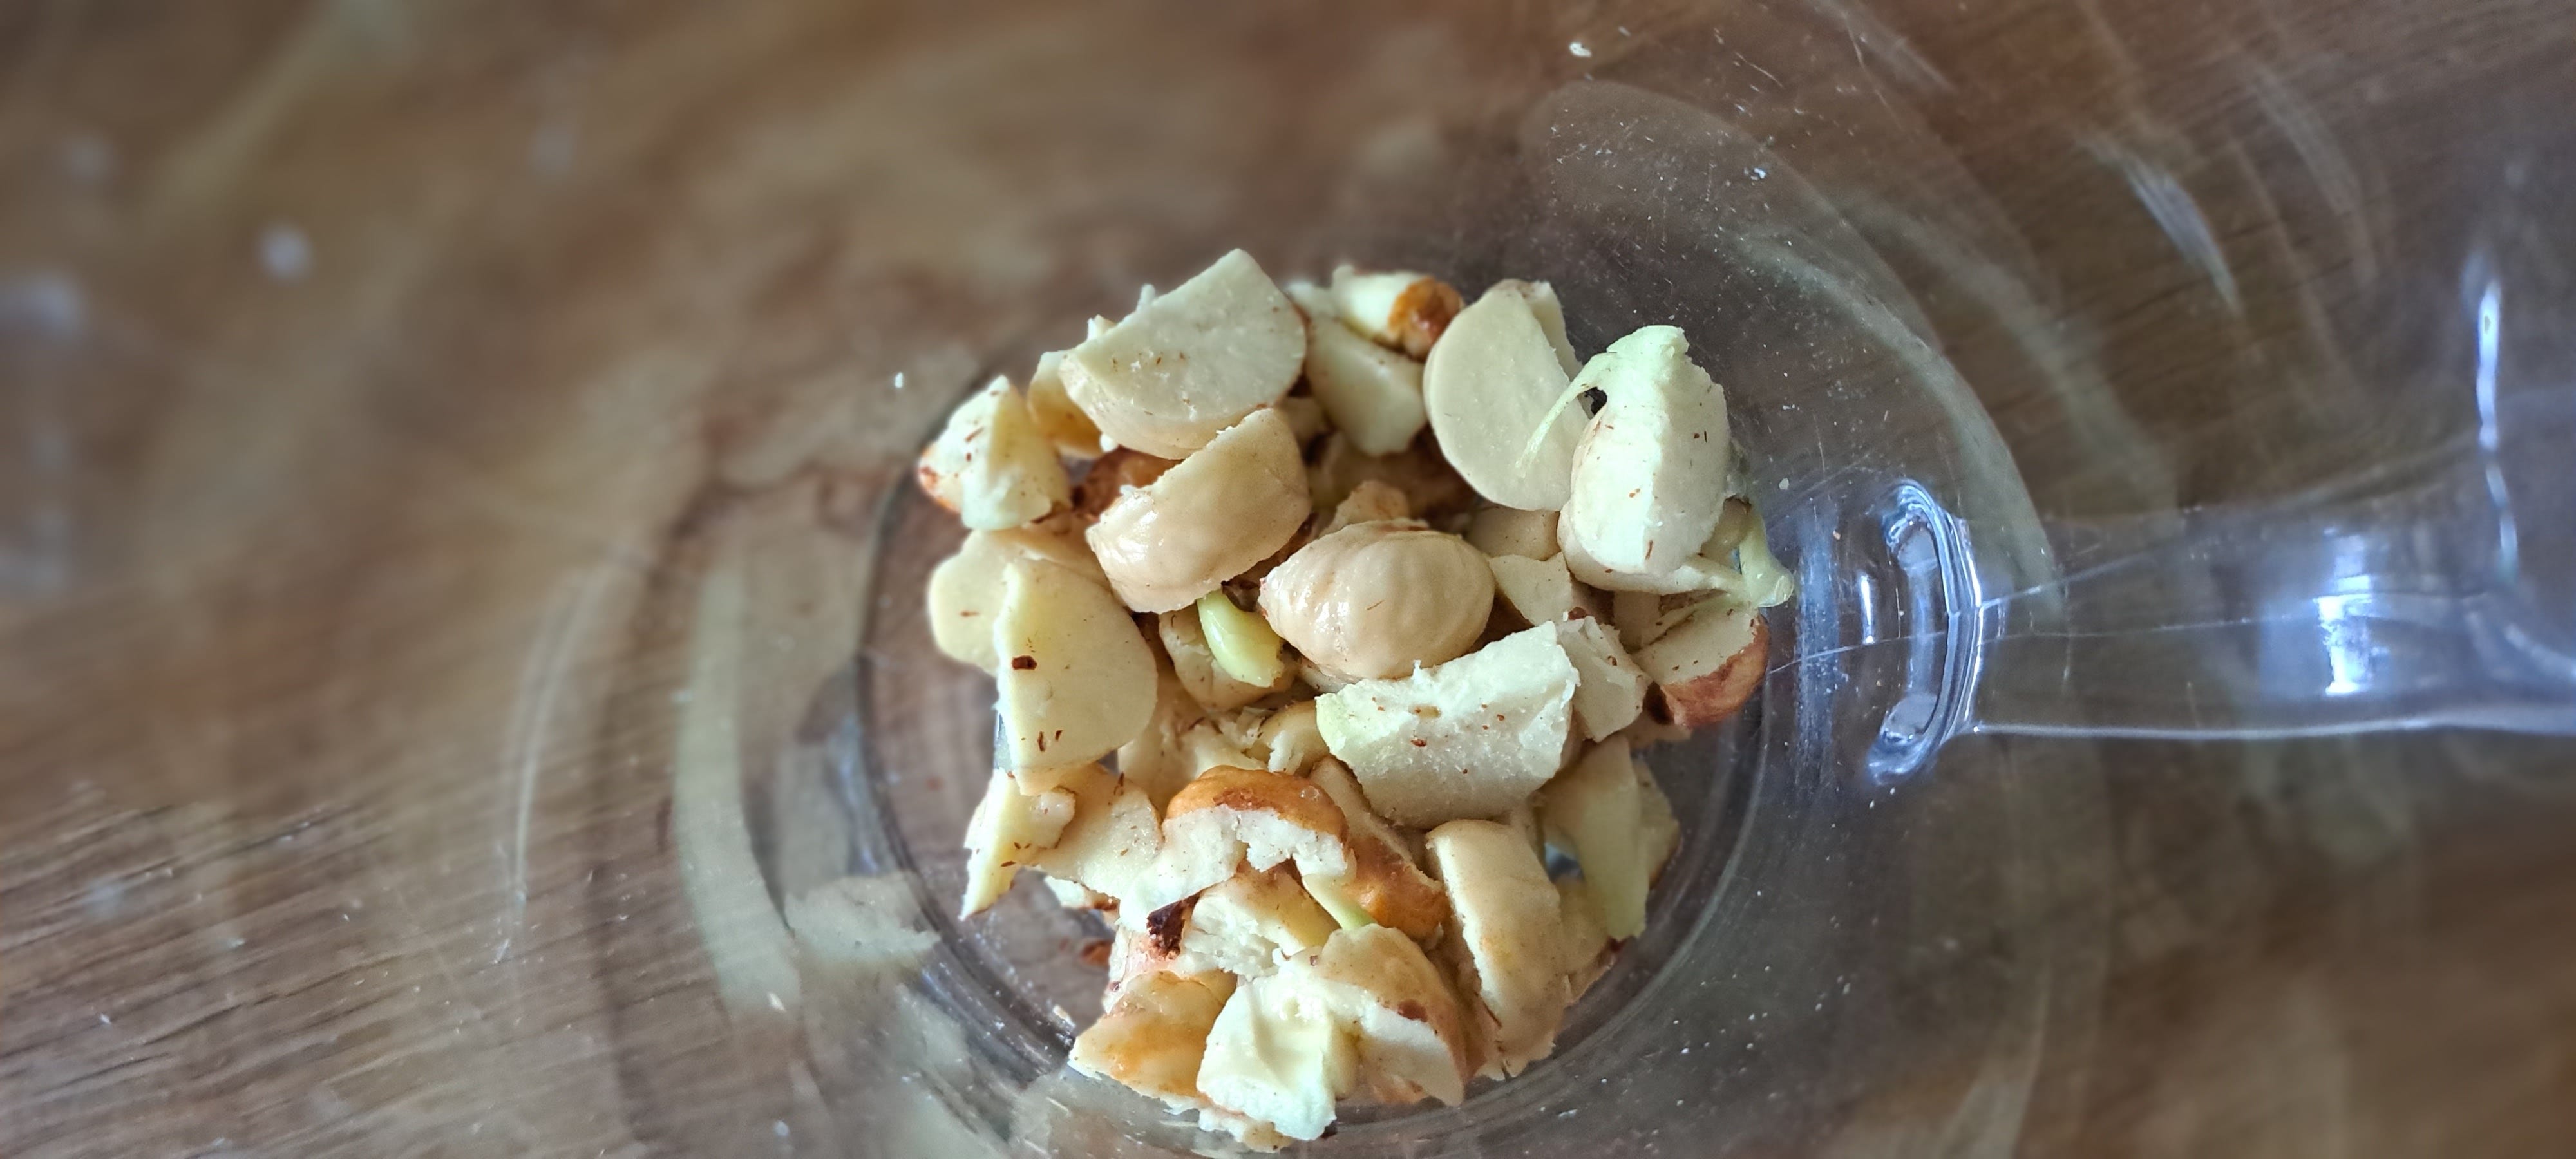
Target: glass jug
(1780,181)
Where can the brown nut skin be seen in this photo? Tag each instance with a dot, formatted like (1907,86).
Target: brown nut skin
(1374,599)
(1430,487)
(1383,878)
(1111,475)
(1370,502)
(1293,799)
(1712,697)
(1403,310)
(1394,891)
(1421,312)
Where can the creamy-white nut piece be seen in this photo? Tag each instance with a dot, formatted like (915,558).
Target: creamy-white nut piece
(1246,924)
(1550,313)
(1290,740)
(1491,387)
(991,465)
(1137,953)
(1469,738)
(1377,599)
(1280,1057)
(1190,363)
(1109,845)
(1008,830)
(1367,1011)
(1384,991)
(1523,820)
(1697,573)
(1065,426)
(1611,688)
(1649,475)
(1587,945)
(966,588)
(1761,582)
(1595,809)
(1657,829)
(1540,591)
(1373,395)
(1075,895)
(1075,677)
(1639,616)
(1511,531)
(1505,939)
(1207,519)
(1219,742)
(1370,502)
(1305,416)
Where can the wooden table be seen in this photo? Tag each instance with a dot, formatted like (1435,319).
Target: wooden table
(384,381)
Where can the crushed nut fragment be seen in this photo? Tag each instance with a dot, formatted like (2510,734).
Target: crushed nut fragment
(1342,763)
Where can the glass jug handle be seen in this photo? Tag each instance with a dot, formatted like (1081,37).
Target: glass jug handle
(2403,607)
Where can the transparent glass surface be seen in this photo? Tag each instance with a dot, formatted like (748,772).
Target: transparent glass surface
(463,527)
(1772,182)
(1772,185)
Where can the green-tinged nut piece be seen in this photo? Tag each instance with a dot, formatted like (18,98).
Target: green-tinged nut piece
(1242,643)
(1334,895)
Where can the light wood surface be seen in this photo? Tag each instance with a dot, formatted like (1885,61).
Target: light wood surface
(380,383)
